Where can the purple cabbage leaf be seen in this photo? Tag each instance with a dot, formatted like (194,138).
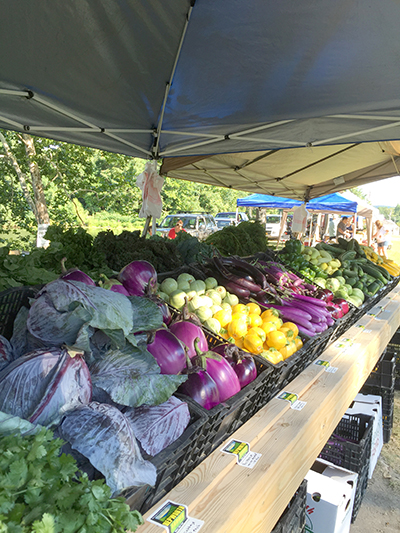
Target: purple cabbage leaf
(10,424)
(131,376)
(6,352)
(104,436)
(43,385)
(22,341)
(68,312)
(146,314)
(156,427)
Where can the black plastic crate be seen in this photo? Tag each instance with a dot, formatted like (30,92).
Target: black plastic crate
(225,418)
(349,446)
(293,519)
(394,346)
(11,302)
(343,324)
(383,375)
(173,463)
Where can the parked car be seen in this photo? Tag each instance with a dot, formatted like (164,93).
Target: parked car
(229,218)
(272,225)
(197,224)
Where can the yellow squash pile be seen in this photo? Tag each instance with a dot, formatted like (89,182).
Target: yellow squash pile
(261,333)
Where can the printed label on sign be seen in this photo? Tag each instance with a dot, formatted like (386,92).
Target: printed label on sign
(241,450)
(174,517)
(293,399)
(343,343)
(327,365)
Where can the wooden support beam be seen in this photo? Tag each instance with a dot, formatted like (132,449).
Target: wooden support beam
(230,498)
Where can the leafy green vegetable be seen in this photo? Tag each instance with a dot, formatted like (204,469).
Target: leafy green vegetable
(42,491)
(120,250)
(245,239)
(191,249)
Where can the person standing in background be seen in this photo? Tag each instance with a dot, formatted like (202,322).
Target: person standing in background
(382,238)
(175,230)
(342,228)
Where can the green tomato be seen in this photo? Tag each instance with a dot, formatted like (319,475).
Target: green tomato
(199,286)
(231,299)
(185,277)
(164,296)
(221,291)
(213,325)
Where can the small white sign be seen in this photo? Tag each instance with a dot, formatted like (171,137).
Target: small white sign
(174,518)
(241,450)
(293,399)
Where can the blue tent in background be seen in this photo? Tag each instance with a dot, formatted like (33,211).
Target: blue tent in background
(331,203)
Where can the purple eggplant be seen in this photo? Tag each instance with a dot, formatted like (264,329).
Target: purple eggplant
(74,274)
(166,313)
(201,388)
(167,351)
(220,371)
(113,285)
(139,278)
(310,299)
(187,332)
(242,363)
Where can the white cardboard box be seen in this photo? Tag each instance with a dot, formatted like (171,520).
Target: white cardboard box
(369,404)
(330,498)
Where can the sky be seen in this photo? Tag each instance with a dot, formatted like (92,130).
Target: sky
(384,192)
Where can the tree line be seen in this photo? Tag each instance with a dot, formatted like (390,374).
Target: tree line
(46,181)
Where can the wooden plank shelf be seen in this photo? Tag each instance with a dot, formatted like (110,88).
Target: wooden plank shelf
(230,498)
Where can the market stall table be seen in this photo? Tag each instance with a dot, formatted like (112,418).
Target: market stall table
(231,498)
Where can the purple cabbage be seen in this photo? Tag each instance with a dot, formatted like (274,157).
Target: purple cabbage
(156,427)
(43,385)
(104,435)
(139,278)
(6,352)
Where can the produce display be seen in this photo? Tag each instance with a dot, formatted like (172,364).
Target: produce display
(106,363)
(353,272)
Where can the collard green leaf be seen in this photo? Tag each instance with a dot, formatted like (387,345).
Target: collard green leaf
(132,377)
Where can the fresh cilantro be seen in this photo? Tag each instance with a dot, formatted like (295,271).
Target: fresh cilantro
(42,491)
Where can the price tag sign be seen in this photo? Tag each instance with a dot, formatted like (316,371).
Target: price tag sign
(326,365)
(293,399)
(174,517)
(343,343)
(364,330)
(241,450)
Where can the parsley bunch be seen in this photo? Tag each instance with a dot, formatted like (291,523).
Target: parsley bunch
(42,492)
